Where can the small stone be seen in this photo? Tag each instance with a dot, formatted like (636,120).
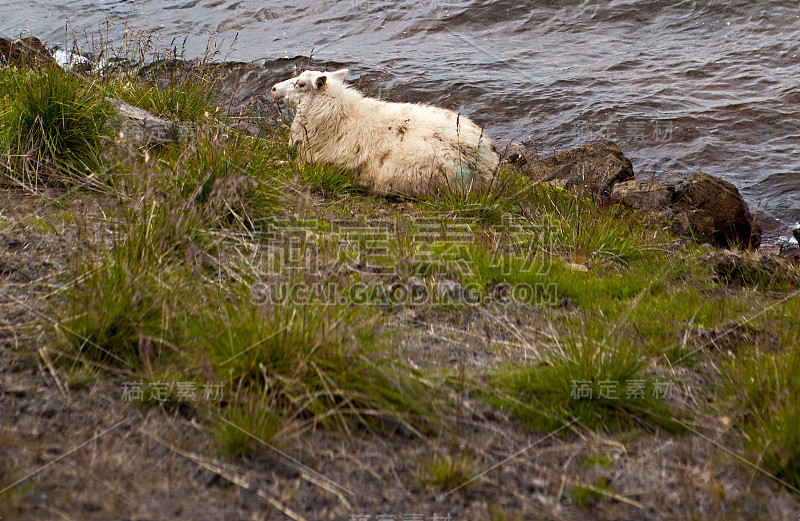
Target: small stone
(449,291)
(417,291)
(577,267)
(16,390)
(48,409)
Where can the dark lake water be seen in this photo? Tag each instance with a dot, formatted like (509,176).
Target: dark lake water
(680,86)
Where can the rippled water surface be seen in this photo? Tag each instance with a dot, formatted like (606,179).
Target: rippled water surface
(680,86)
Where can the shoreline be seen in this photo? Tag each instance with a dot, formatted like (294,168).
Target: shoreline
(257,76)
(195,324)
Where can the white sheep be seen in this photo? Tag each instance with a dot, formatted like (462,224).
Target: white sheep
(395,148)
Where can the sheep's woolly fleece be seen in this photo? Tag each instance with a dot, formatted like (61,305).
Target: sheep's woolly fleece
(395,148)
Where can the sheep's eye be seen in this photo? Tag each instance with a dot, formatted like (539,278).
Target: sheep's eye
(301,84)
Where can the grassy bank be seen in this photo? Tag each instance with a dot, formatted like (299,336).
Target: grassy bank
(221,262)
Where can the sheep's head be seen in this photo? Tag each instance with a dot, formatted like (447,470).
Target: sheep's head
(292,90)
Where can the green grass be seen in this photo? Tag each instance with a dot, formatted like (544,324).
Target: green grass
(79,377)
(118,308)
(171,91)
(52,129)
(567,224)
(762,388)
(310,364)
(503,197)
(247,426)
(320,363)
(327,178)
(223,172)
(444,472)
(121,306)
(597,459)
(585,496)
(601,381)
(6,81)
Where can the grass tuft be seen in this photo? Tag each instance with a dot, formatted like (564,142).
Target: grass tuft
(167,88)
(763,388)
(505,196)
(51,131)
(586,496)
(328,178)
(118,308)
(445,472)
(320,364)
(245,426)
(571,225)
(600,382)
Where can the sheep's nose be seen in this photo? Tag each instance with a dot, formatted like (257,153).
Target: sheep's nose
(274,89)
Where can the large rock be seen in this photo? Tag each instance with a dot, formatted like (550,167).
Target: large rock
(713,209)
(28,50)
(752,270)
(594,168)
(643,195)
(143,128)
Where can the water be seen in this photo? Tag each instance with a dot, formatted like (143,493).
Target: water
(680,86)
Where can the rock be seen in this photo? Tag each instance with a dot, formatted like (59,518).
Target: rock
(417,291)
(27,50)
(5,50)
(769,249)
(18,390)
(714,210)
(680,222)
(594,168)
(790,248)
(642,194)
(449,291)
(512,151)
(499,291)
(748,270)
(786,246)
(577,267)
(143,128)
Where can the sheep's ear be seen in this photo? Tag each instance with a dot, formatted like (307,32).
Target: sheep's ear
(340,74)
(321,81)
